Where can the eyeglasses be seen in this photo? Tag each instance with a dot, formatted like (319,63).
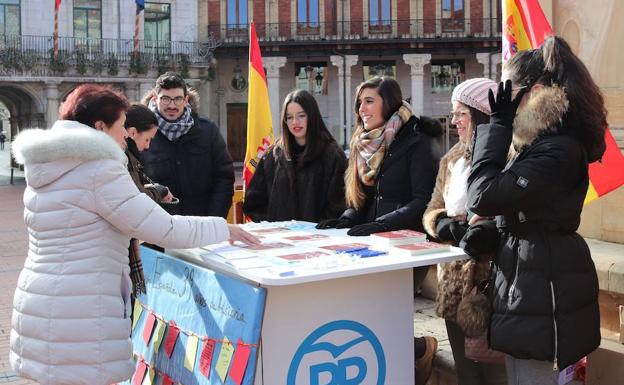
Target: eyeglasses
(460,114)
(299,117)
(166,100)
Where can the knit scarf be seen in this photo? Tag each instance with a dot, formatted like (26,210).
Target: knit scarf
(173,130)
(371,145)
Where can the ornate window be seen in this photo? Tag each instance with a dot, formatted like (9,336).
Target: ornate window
(307,16)
(452,15)
(312,77)
(88,23)
(379,15)
(379,68)
(9,17)
(446,74)
(236,11)
(157,30)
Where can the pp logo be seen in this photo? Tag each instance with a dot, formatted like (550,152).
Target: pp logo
(339,353)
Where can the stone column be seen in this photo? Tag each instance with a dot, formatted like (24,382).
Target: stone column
(272,65)
(344,89)
(52,102)
(489,62)
(483,59)
(132,92)
(417,61)
(496,60)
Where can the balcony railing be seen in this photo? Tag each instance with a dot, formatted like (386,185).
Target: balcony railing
(123,49)
(338,31)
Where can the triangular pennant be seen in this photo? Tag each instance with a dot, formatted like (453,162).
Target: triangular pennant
(149,327)
(159,332)
(136,313)
(225,357)
(139,373)
(191,352)
(170,339)
(206,357)
(239,362)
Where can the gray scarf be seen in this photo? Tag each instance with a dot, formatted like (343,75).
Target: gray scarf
(173,130)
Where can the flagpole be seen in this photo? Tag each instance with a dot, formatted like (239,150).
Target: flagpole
(57,4)
(135,50)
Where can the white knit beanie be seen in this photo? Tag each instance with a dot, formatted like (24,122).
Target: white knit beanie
(474,93)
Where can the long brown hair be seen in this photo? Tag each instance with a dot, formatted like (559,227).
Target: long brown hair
(390,93)
(317,135)
(554,63)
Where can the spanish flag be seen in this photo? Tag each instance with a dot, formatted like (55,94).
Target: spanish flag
(525,27)
(259,124)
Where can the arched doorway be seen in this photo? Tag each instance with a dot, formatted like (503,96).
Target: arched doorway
(20,108)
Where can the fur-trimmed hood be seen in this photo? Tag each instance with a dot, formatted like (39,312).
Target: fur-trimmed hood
(49,154)
(193,95)
(542,115)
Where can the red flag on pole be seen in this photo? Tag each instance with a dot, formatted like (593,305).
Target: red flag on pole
(259,122)
(525,27)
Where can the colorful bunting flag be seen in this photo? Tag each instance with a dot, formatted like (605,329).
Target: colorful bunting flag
(171,338)
(191,352)
(136,313)
(206,357)
(239,362)
(139,373)
(159,332)
(148,327)
(225,357)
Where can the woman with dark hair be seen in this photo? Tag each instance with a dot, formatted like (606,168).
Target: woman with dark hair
(71,309)
(301,175)
(392,165)
(142,125)
(545,313)
(446,220)
(392,169)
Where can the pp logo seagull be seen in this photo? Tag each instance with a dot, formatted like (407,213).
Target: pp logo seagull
(339,353)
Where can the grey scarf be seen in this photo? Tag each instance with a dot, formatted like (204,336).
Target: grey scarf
(173,130)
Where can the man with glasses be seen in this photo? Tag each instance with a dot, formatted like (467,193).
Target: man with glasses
(188,154)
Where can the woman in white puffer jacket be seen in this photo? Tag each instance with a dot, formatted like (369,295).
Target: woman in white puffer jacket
(70,321)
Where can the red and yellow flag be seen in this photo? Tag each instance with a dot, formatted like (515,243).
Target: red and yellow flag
(525,27)
(259,124)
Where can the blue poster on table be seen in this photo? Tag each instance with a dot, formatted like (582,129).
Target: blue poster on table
(194,326)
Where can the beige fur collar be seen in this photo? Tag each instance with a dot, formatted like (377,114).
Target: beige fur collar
(541,114)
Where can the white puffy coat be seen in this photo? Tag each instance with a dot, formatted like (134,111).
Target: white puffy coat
(70,320)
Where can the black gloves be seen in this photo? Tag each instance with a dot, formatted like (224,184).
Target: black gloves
(338,223)
(368,229)
(503,107)
(450,230)
(481,240)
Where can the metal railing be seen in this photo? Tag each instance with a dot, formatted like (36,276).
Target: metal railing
(123,49)
(486,28)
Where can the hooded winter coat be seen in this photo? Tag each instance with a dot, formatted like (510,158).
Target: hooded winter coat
(545,292)
(197,167)
(312,190)
(71,308)
(406,178)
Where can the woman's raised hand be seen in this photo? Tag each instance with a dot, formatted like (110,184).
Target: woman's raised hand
(503,106)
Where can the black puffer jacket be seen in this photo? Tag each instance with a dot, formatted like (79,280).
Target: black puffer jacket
(282,190)
(545,296)
(197,168)
(406,178)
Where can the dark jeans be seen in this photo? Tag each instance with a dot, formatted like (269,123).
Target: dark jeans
(470,372)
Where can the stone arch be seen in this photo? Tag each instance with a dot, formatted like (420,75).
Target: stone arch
(26,107)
